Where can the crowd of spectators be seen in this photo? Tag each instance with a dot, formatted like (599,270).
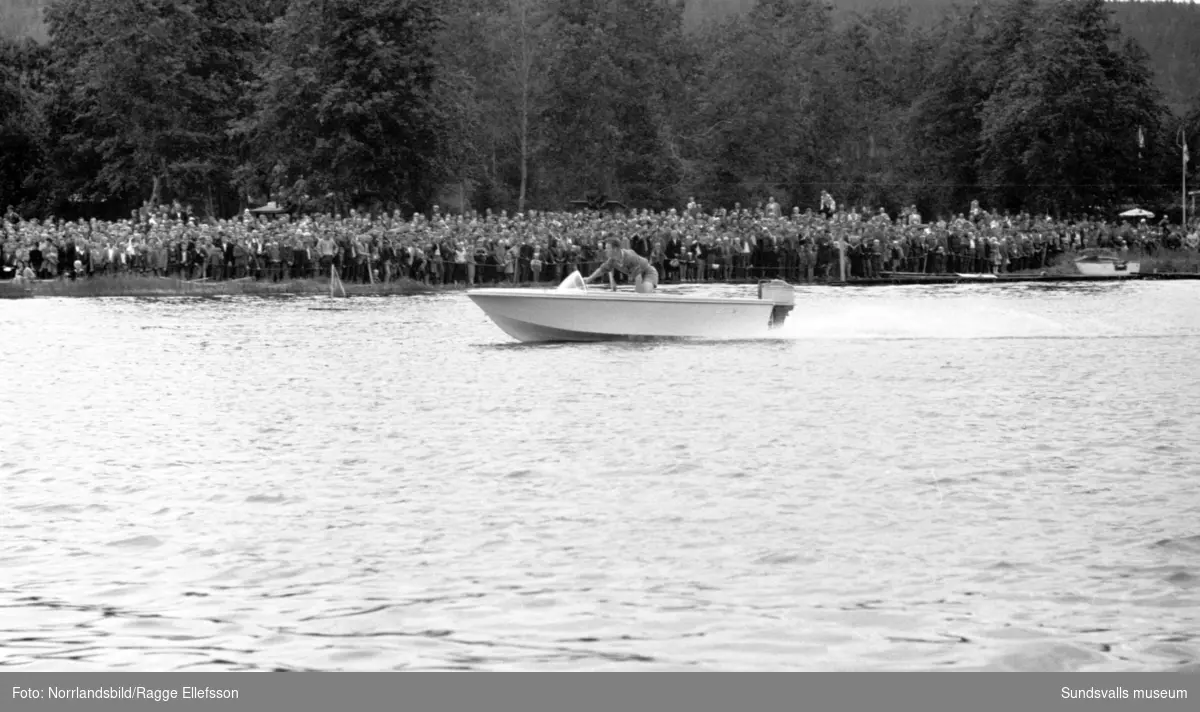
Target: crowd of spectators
(686,245)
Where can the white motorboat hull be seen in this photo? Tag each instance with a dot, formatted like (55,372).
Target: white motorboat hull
(1107,268)
(533,315)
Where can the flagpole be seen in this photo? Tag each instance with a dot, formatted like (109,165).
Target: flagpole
(1183,177)
(842,256)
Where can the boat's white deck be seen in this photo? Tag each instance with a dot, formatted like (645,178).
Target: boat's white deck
(601,295)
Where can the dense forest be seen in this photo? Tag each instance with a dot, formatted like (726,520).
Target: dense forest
(1061,106)
(1167,30)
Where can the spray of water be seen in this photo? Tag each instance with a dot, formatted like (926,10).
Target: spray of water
(924,319)
(948,312)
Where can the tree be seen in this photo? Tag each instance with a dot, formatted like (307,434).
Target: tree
(1060,132)
(771,115)
(609,98)
(523,60)
(1191,131)
(945,119)
(881,66)
(22,78)
(349,106)
(498,47)
(233,43)
(131,71)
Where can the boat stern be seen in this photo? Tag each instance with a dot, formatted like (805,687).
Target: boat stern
(782,295)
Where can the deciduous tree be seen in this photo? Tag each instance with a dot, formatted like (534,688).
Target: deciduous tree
(348,104)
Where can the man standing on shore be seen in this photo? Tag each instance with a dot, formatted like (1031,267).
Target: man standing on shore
(228,260)
(326,248)
(672,254)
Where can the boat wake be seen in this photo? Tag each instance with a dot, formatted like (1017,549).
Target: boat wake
(926,320)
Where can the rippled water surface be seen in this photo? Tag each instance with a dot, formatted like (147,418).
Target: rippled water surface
(997,477)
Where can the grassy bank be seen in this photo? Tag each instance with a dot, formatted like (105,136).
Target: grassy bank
(141,286)
(1175,262)
(1178,262)
(146,286)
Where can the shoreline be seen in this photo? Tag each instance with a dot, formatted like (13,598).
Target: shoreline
(888,280)
(148,286)
(171,287)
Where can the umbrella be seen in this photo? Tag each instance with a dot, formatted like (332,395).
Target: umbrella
(1137,213)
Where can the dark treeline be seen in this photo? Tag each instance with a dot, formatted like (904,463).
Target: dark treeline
(517,104)
(1166,29)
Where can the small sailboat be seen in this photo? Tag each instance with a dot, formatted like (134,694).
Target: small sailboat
(335,285)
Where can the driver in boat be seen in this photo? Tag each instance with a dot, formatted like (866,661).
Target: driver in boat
(638,268)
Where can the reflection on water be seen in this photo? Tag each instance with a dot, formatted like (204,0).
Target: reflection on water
(968,477)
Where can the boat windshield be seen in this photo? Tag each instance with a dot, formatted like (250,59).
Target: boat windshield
(573,282)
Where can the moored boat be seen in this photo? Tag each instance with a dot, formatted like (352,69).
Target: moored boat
(573,313)
(1105,264)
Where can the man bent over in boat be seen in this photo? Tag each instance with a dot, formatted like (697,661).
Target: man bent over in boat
(636,267)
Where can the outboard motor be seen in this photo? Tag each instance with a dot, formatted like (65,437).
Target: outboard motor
(782,295)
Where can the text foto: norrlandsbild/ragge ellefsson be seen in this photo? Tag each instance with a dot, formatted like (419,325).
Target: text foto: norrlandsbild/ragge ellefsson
(158,694)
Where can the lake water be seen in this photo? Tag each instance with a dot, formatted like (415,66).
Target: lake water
(970,477)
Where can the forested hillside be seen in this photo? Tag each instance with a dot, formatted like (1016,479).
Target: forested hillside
(1045,105)
(1168,31)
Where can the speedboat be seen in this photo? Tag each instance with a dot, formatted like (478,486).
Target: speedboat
(571,312)
(1105,264)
